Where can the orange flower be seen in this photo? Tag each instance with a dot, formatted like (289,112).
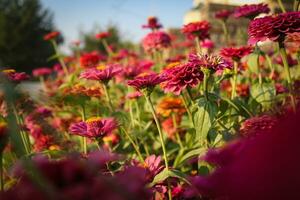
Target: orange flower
(85,91)
(169,105)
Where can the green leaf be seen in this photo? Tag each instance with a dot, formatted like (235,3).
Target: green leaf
(191,154)
(252,63)
(263,93)
(204,116)
(55,56)
(164,174)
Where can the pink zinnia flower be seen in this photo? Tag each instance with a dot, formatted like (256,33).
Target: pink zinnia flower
(274,28)
(212,62)
(89,60)
(207,44)
(180,77)
(251,11)
(152,23)
(42,71)
(14,76)
(197,29)
(156,41)
(236,53)
(134,95)
(94,127)
(103,75)
(51,35)
(153,166)
(147,82)
(258,124)
(102,35)
(223,14)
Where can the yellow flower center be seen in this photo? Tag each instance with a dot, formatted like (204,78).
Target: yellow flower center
(7,71)
(101,67)
(93,119)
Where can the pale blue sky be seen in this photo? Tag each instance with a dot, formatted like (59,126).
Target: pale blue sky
(71,16)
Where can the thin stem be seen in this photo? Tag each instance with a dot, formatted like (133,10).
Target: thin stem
(281,6)
(108,99)
(131,113)
(149,102)
(205,80)
(107,48)
(61,61)
(198,47)
(272,70)
(83,139)
(234,79)
(226,35)
(187,108)
(136,148)
(176,132)
(288,75)
(1,172)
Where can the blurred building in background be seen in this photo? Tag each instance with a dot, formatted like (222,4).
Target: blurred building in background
(205,9)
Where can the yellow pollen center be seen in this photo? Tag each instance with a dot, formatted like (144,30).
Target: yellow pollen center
(93,119)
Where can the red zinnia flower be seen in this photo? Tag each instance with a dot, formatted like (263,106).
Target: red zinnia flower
(102,35)
(94,127)
(156,41)
(52,35)
(42,71)
(251,11)
(223,14)
(197,29)
(152,23)
(207,44)
(254,125)
(103,75)
(274,28)
(146,81)
(213,62)
(14,76)
(235,53)
(89,60)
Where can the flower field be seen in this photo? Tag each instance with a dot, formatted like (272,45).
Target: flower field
(169,120)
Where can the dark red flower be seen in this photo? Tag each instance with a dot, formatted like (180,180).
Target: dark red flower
(102,35)
(255,125)
(42,71)
(212,62)
(51,36)
(208,44)
(14,76)
(251,11)
(223,14)
(148,81)
(156,41)
(197,29)
(236,53)
(152,23)
(274,28)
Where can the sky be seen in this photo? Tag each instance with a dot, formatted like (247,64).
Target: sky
(73,16)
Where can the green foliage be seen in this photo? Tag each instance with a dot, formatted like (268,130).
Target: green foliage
(23,23)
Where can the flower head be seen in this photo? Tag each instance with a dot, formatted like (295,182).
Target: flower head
(103,75)
(94,127)
(197,29)
(146,82)
(208,44)
(42,71)
(156,41)
(180,77)
(274,28)
(169,105)
(153,166)
(254,125)
(52,35)
(236,53)
(212,62)
(89,60)
(102,35)
(223,14)
(292,41)
(14,76)
(152,23)
(251,11)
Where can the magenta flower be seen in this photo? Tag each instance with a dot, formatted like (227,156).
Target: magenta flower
(251,11)
(223,14)
(274,28)
(207,44)
(153,166)
(42,71)
(14,76)
(134,95)
(146,82)
(103,75)
(236,53)
(94,127)
(197,30)
(180,77)
(152,23)
(156,41)
(132,71)
(212,62)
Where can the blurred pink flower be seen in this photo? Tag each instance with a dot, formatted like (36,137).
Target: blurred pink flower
(103,75)
(251,11)
(156,41)
(197,29)
(42,71)
(223,14)
(152,23)
(236,53)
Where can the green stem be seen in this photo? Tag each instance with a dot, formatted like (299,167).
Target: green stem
(187,108)
(107,48)
(288,75)
(226,35)
(205,85)
(198,47)
(108,99)
(61,61)
(136,148)
(272,69)
(176,132)
(131,113)
(234,80)
(83,139)
(281,6)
